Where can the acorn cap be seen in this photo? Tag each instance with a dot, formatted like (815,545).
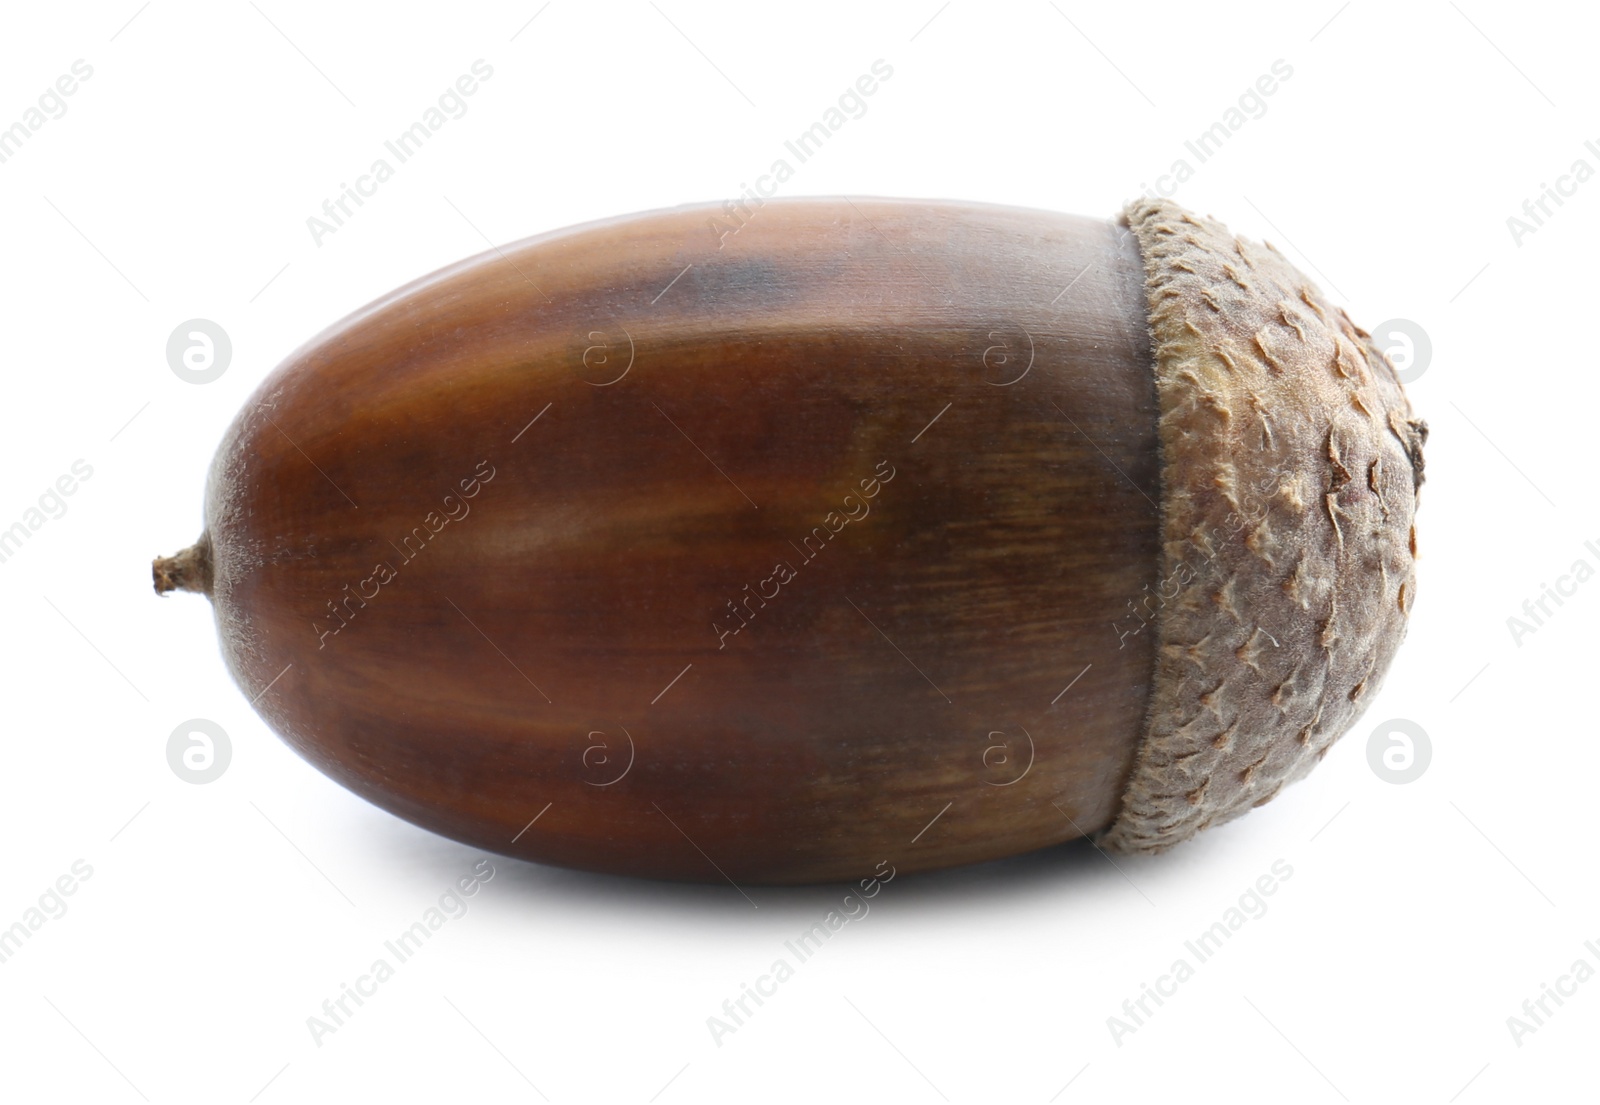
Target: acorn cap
(1290,469)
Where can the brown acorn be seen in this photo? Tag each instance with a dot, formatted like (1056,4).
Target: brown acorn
(873,533)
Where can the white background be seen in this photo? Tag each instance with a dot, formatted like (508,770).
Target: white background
(219,917)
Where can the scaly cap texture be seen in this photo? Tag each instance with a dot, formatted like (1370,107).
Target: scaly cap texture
(1290,469)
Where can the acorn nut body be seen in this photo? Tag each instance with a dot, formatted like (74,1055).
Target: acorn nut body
(916,533)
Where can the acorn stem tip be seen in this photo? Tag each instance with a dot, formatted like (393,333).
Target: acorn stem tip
(189,570)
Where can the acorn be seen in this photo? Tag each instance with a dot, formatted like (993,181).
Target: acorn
(821,539)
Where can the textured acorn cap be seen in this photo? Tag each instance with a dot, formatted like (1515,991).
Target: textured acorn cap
(1290,469)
